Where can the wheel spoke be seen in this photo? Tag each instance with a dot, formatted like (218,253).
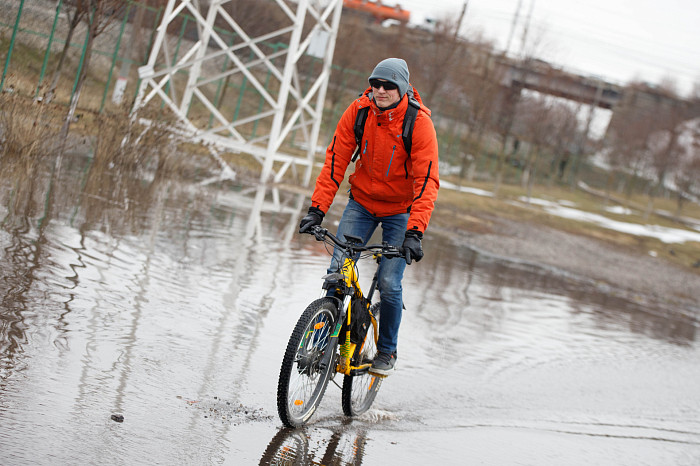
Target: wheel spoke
(360,390)
(302,380)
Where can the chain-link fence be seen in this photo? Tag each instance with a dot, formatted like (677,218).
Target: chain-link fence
(34,34)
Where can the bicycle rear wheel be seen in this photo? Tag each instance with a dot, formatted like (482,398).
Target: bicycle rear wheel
(305,372)
(360,390)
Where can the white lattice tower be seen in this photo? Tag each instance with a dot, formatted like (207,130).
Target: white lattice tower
(277,79)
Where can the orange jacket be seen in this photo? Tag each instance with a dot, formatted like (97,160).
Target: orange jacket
(387,181)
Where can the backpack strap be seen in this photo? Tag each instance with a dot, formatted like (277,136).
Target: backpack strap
(409,120)
(359,128)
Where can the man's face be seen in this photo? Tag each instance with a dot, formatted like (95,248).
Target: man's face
(383,97)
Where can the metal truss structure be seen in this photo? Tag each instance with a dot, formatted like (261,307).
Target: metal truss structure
(240,93)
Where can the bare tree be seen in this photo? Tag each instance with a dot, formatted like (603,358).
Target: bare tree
(563,139)
(482,87)
(538,127)
(353,35)
(665,152)
(100,14)
(76,11)
(438,57)
(503,126)
(627,141)
(256,16)
(530,46)
(687,176)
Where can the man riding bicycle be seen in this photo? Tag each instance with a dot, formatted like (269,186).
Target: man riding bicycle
(393,185)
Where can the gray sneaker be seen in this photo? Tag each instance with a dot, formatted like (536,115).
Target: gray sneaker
(383,364)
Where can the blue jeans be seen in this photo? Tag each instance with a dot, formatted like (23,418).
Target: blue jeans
(357,221)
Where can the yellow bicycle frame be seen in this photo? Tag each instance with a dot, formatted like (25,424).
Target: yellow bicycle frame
(347,349)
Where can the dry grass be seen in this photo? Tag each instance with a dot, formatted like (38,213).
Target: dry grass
(456,210)
(28,134)
(125,142)
(27,131)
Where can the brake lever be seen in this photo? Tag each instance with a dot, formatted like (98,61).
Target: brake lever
(319,232)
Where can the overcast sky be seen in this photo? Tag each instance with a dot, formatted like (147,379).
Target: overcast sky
(619,40)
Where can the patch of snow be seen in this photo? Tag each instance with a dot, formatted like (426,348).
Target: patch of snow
(465,189)
(665,234)
(618,209)
(563,209)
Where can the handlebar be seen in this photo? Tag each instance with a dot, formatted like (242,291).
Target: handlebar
(384,249)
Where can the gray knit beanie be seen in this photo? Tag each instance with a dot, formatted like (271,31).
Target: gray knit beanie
(394,70)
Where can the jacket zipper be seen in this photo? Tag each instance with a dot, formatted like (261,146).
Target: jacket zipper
(390,160)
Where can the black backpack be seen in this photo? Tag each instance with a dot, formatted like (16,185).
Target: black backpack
(409,121)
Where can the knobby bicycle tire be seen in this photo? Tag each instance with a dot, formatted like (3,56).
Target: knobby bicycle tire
(302,380)
(360,390)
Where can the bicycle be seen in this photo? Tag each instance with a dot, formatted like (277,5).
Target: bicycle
(332,336)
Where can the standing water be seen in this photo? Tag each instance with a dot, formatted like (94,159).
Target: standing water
(144,319)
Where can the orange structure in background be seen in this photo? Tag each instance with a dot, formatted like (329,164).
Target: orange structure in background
(379,11)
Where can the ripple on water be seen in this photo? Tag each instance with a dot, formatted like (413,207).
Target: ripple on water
(190,300)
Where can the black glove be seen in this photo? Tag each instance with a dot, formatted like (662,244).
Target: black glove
(314,217)
(412,246)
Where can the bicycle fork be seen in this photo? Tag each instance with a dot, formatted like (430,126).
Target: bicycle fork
(347,348)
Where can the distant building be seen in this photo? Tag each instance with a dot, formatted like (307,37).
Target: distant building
(378,11)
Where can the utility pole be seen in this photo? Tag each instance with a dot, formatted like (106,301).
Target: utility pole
(526,29)
(512,27)
(461,17)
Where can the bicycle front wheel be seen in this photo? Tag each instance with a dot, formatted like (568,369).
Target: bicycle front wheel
(305,371)
(360,389)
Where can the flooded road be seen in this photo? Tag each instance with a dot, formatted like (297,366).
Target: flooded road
(170,303)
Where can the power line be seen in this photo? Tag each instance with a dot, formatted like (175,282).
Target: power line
(675,58)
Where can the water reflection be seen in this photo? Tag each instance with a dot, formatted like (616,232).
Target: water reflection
(299,447)
(24,225)
(149,294)
(456,268)
(95,197)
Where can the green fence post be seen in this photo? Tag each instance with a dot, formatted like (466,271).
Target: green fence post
(114,58)
(80,64)
(261,103)
(48,48)
(262,99)
(222,84)
(241,91)
(12,45)
(153,33)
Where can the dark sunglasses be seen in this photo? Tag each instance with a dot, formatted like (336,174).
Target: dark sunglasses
(375,83)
